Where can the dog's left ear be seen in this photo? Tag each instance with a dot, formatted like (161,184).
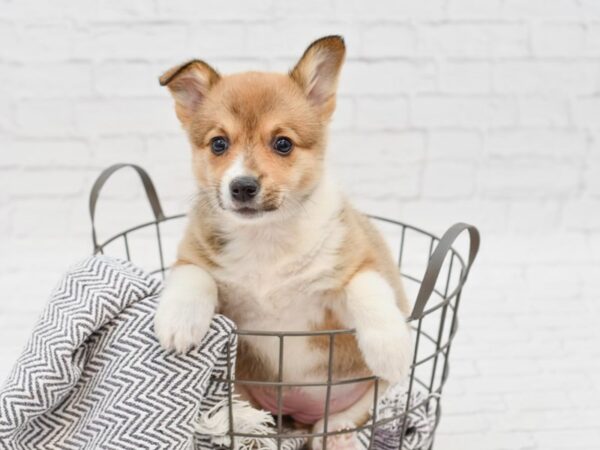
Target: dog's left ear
(189,83)
(318,71)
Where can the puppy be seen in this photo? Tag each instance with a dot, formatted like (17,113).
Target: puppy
(274,245)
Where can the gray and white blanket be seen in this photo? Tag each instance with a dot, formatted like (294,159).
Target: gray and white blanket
(94,376)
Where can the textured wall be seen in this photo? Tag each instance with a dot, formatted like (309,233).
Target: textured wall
(485,111)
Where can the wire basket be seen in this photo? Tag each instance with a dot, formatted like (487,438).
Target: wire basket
(434,320)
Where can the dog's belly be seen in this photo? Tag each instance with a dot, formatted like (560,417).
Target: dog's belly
(307,405)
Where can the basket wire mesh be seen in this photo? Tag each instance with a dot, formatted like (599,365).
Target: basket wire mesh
(437,300)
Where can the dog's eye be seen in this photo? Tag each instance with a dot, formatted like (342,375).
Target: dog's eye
(283,145)
(219,145)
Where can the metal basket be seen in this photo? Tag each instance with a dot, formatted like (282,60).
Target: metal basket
(445,272)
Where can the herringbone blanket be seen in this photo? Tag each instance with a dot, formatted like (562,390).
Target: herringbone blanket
(93,375)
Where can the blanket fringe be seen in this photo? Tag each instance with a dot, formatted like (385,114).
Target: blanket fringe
(247,419)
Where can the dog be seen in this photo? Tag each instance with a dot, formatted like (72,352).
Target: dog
(273,244)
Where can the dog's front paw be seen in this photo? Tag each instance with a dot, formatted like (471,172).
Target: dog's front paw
(387,350)
(181,323)
(186,308)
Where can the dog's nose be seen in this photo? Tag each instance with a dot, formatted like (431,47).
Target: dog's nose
(244,189)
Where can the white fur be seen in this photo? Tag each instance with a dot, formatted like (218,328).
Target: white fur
(381,329)
(186,307)
(237,169)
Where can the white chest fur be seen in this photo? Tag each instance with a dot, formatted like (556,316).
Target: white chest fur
(276,277)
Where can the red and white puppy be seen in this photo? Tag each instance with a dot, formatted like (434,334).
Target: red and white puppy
(274,245)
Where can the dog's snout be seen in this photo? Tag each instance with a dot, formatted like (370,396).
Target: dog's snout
(244,189)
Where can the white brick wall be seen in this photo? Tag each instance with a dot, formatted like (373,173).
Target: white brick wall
(485,111)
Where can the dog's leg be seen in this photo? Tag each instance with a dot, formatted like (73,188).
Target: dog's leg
(186,307)
(381,330)
(354,416)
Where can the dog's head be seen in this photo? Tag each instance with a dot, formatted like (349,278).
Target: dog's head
(258,139)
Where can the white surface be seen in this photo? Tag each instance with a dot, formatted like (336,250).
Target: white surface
(484,111)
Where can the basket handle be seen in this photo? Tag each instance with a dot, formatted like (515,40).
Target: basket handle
(436,261)
(148,187)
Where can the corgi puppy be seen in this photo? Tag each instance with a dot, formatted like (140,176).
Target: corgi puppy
(273,244)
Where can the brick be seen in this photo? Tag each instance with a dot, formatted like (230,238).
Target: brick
(466,77)
(536,9)
(309,9)
(184,9)
(361,149)
(474,9)
(42,183)
(455,144)
(582,215)
(543,77)
(490,441)
(126,116)
(468,404)
(32,218)
(541,143)
(45,118)
(51,80)
(442,111)
(448,180)
(382,113)
(543,111)
(115,10)
(169,148)
(591,45)
(218,40)
(398,9)
(550,248)
(558,439)
(589,7)
(533,216)
(46,41)
(398,77)
(380,180)
(457,424)
(592,179)
(156,41)
(539,180)
(586,110)
(344,117)
(474,40)
(117,78)
(48,153)
(6,116)
(389,41)
(112,150)
(558,39)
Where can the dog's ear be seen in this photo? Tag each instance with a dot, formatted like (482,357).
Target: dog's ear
(189,83)
(318,71)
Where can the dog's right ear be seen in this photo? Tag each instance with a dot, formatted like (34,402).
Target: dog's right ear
(189,83)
